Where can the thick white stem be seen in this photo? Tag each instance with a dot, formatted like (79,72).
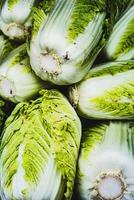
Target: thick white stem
(110,186)
(15,31)
(50,64)
(74,96)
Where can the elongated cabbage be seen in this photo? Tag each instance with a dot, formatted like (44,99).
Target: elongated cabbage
(5,47)
(106,162)
(107,92)
(39,149)
(15,18)
(120,45)
(64,46)
(17,80)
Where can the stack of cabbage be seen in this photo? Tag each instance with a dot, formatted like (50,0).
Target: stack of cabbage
(54,53)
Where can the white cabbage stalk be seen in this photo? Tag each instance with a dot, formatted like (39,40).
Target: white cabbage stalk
(39,149)
(107,92)
(120,45)
(64,46)
(15,18)
(17,80)
(5,47)
(106,162)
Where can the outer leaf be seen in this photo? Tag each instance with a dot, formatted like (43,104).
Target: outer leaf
(39,149)
(59,51)
(40,14)
(107,92)
(106,148)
